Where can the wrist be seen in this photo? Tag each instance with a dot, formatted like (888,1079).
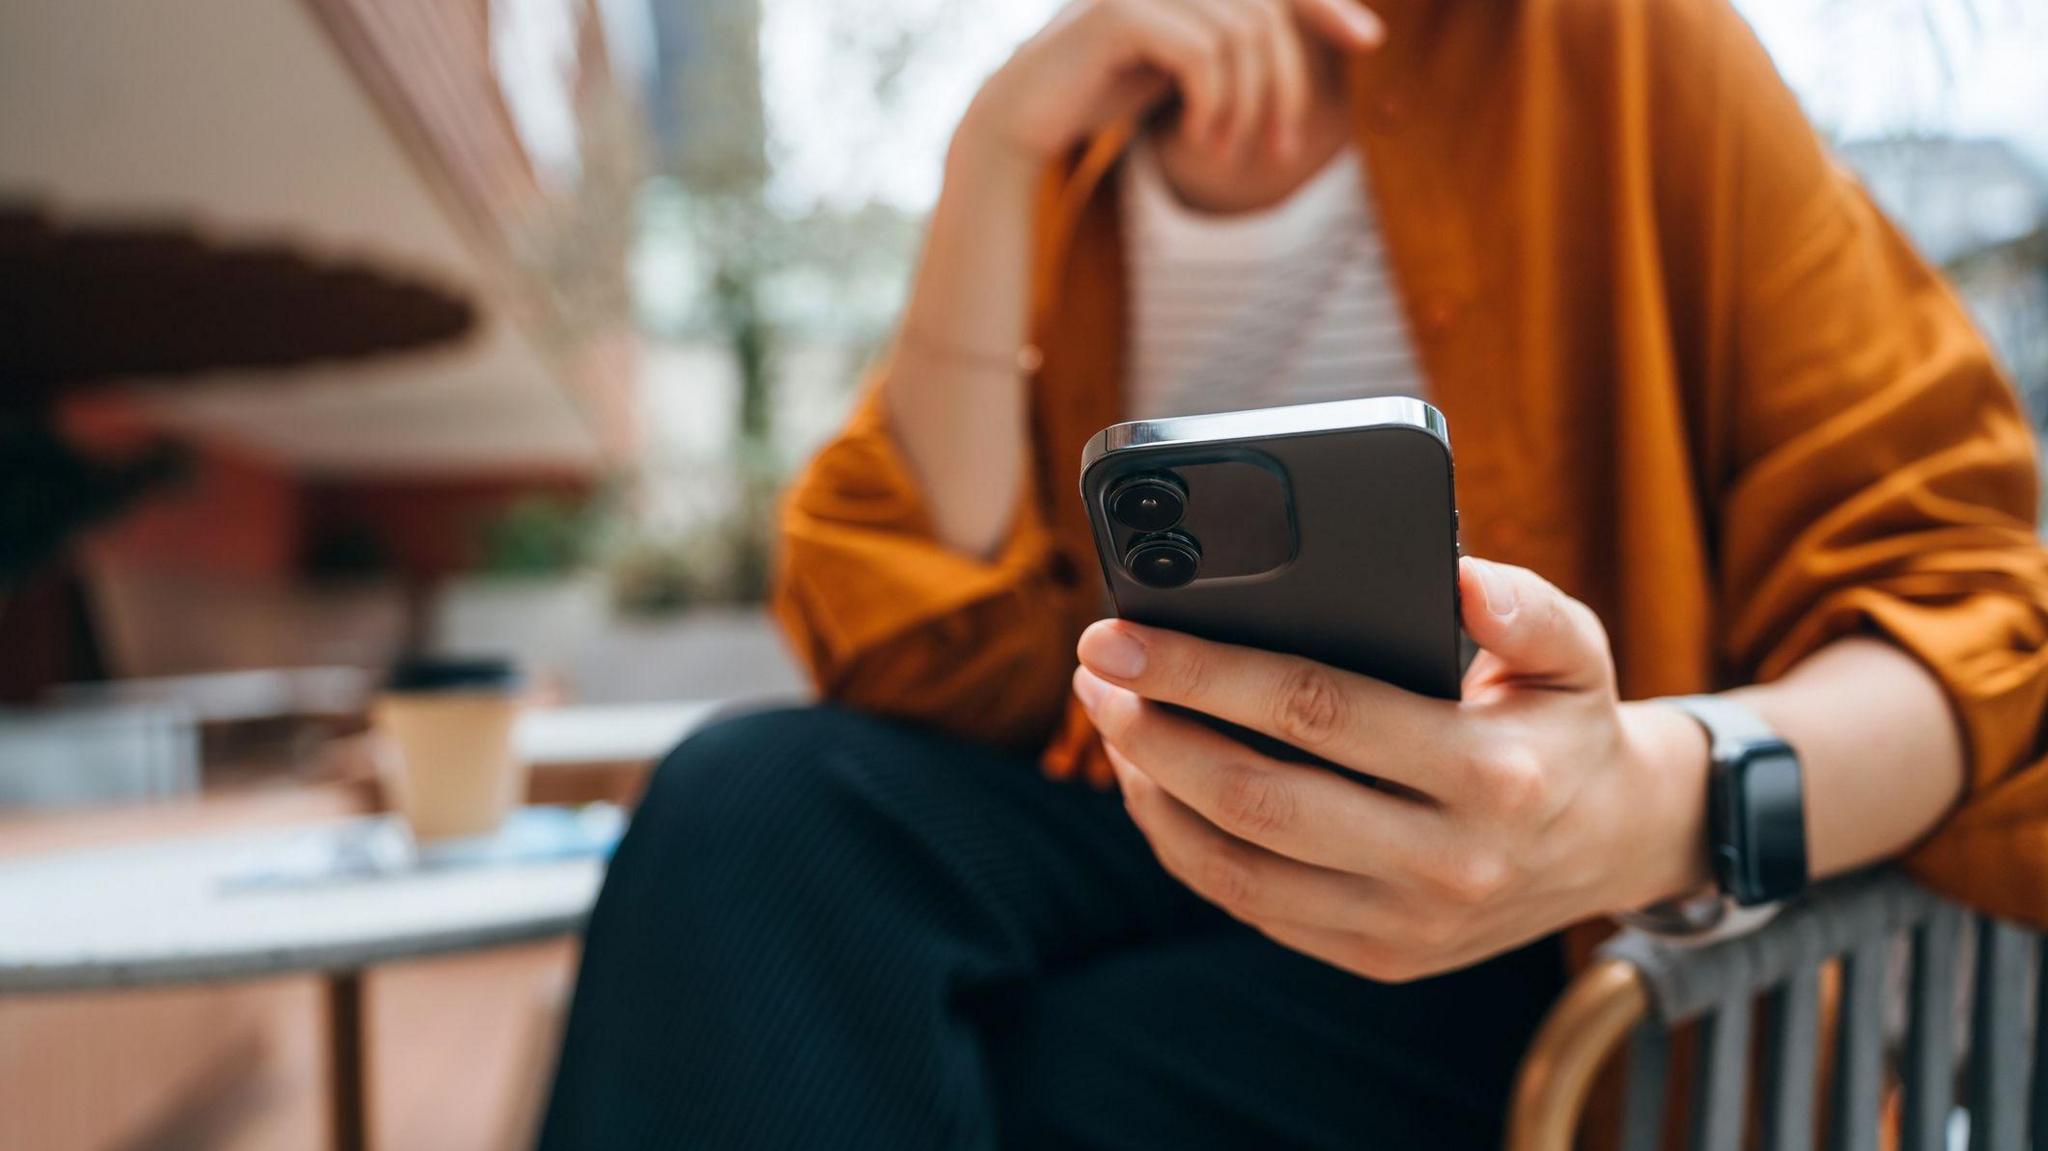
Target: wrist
(1669,754)
(982,151)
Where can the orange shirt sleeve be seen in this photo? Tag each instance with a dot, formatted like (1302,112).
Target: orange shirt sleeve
(1880,478)
(889,620)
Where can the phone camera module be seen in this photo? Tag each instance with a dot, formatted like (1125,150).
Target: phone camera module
(1164,560)
(1148,503)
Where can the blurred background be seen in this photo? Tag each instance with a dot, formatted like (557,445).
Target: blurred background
(335,329)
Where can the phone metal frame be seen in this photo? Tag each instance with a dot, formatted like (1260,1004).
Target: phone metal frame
(1266,423)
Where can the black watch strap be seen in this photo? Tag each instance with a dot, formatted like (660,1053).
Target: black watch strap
(1756,802)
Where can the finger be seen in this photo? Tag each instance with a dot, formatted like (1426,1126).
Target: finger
(1353,949)
(1348,719)
(1175,40)
(1538,634)
(1291,85)
(1356,953)
(1250,71)
(1309,814)
(1251,81)
(1249,882)
(1391,943)
(1345,23)
(1214,133)
(1135,93)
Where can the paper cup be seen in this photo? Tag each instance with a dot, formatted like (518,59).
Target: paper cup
(450,769)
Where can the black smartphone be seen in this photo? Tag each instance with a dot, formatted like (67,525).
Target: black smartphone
(1324,530)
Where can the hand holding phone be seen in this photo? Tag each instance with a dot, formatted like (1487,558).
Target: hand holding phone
(1537,800)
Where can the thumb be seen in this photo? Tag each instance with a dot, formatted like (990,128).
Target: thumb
(1534,630)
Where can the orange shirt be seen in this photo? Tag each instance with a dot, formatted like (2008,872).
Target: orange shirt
(1692,375)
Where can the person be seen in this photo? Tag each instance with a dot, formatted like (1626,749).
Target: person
(1718,428)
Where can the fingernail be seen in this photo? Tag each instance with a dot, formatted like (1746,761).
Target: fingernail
(1370,28)
(1113,651)
(1496,587)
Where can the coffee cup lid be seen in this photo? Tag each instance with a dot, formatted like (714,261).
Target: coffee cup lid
(458,673)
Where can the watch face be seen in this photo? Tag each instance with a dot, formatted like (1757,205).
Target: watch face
(1772,835)
(1771,776)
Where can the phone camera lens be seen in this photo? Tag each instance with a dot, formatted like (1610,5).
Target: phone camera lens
(1150,503)
(1164,561)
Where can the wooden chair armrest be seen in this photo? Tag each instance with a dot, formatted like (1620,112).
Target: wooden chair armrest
(1591,1020)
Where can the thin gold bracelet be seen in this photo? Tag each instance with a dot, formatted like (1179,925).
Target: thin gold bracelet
(1026,360)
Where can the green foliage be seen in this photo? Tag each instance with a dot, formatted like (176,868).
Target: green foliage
(540,536)
(723,562)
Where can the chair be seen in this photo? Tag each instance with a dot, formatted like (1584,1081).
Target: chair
(77,756)
(1879,926)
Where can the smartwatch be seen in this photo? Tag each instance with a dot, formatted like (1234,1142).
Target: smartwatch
(1756,818)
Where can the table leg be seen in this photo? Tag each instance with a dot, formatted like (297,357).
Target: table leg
(348,1097)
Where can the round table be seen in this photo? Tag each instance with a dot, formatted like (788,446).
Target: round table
(181,910)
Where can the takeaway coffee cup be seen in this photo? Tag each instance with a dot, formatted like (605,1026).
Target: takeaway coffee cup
(451,770)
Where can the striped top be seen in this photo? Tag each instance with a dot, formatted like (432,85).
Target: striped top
(1286,305)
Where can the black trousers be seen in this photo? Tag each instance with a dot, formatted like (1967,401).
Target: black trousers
(825,930)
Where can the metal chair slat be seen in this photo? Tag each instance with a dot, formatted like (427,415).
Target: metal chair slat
(2038,1108)
(1859,1049)
(1791,1062)
(1928,1074)
(1642,1106)
(1719,1100)
(1998,1040)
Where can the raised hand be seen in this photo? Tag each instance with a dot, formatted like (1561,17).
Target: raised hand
(1239,68)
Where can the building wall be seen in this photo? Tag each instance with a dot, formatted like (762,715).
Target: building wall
(223,570)
(428,527)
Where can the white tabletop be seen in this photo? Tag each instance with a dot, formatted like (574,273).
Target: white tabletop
(165,911)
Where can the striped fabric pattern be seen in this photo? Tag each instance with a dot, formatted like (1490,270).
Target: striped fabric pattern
(1287,305)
